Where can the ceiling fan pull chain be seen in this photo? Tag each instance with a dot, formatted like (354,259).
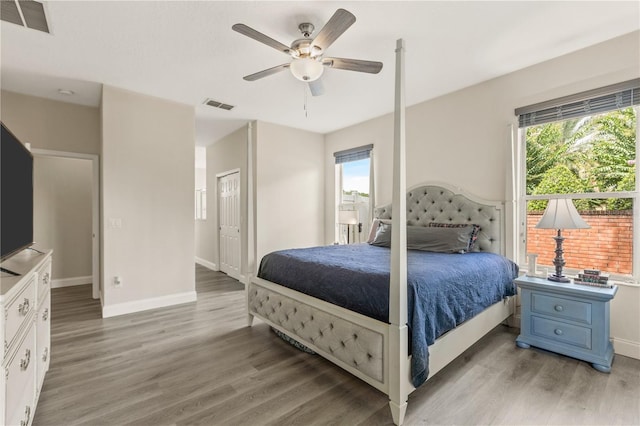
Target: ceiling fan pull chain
(306,111)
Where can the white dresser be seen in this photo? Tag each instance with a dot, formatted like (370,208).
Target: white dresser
(25,317)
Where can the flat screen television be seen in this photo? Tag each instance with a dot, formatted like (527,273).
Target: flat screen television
(16,196)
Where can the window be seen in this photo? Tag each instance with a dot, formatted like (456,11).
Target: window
(201,183)
(584,148)
(201,204)
(354,194)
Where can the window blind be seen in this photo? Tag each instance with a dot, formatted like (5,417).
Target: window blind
(616,96)
(353,154)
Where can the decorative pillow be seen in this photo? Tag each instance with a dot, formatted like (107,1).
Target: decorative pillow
(436,239)
(474,232)
(374,228)
(383,235)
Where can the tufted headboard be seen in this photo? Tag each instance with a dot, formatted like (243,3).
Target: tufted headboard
(437,203)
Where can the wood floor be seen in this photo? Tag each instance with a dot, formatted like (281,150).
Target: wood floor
(199,364)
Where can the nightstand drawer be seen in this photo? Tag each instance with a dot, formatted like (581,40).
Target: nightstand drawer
(561,308)
(561,332)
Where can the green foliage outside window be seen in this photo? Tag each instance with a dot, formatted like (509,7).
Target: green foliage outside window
(590,154)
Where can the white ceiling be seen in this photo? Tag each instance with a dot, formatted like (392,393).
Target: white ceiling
(187,52)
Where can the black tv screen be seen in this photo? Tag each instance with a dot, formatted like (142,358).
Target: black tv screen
(16,198)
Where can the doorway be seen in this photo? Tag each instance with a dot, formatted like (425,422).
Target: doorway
(67,216)
(229,223)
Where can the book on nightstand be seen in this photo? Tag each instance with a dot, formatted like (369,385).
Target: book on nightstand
(592,277)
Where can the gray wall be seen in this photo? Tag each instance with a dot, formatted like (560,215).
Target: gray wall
(462,139)
(148,162)
(53,125)
(229,153)
(62,214)
(289,188)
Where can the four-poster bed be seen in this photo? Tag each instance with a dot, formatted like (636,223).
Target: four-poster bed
(378,350)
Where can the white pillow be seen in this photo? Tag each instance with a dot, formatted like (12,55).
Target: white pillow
(374,228)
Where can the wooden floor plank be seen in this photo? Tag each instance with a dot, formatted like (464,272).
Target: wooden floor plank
(198,363)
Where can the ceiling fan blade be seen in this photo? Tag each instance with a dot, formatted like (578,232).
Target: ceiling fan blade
(338,24)
(371,67)
(266,73)
(256,35)
(316,87)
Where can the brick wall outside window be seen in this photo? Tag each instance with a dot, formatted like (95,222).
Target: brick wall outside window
(607,245)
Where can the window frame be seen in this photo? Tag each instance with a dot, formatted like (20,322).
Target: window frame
(523,199)
(346,156)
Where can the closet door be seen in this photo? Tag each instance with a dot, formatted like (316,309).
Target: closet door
(229,220)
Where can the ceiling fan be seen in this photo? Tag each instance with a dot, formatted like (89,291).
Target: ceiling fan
(308,63)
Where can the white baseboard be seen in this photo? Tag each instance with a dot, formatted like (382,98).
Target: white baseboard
(146,304)
(626,348)
(70,282)
(207,264)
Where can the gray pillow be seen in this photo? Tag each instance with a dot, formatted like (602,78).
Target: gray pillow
(440,240)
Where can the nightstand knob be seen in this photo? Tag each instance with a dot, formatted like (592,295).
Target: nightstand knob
(559,308)
(558,332)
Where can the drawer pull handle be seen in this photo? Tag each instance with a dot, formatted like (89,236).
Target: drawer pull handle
(27,415)
(45,314)
(45,278)
(558,332)
(559,308)
(45,355)
(23,308)
(24,362)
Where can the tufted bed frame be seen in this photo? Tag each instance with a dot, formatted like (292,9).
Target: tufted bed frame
(375,351)
(361,345)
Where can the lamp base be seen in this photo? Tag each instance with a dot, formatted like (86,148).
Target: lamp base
(558,279)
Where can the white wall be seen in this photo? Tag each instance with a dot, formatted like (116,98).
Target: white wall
(62,214)
(289,188)
(461,139)
(148,147)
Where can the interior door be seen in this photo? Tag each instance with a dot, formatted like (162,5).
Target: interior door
(229,223)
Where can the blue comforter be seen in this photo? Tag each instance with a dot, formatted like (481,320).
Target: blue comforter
(444,290)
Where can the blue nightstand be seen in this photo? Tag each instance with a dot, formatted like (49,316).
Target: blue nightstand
(569,319)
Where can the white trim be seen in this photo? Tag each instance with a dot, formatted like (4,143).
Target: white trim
(235,275)
(64,154)
(95,208)
(207,264)
(251,255)
(146,304)
(626,347)
(70,282)
(227,173)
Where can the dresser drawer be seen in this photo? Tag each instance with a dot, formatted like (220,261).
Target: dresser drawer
(44,281)
(560,307)
(20,377)
(561,332)
(18,310)
(23,413)
(43,342)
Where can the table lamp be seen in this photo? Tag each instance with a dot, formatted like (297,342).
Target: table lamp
(348,217)
(560,214)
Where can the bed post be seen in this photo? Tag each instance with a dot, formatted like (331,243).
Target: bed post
(398,333)
(251,244)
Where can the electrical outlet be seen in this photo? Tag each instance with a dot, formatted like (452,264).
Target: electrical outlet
(117,281)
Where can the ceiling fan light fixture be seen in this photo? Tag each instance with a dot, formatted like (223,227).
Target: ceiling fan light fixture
(306,69)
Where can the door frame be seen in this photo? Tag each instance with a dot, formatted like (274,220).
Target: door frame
(95,209)
(218,177)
